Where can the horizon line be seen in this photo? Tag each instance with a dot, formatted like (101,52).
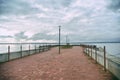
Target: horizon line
(61,42)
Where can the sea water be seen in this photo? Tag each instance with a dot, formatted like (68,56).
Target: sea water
(111,48)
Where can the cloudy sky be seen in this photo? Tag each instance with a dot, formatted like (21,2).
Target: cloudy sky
(38,20)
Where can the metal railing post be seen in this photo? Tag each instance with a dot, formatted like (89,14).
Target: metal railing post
(59,38)
(46,47)
(8,53)
(43,48)
(35,48)
(96,53)
(91,51)
(88,50)
(39,48)
(29,49)
(104,58)
(21,50)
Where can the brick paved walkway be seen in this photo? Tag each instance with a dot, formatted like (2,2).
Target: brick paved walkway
(71,64)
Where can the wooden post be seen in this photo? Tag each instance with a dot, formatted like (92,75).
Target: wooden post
(96,53)
(104,58)
(8,53)
(21,50)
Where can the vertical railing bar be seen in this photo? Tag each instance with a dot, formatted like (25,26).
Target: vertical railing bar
(42,47)
(104,58)
(91,51)
(35,48)
(39,48)
(96,53)
(21,50)
(8,53)
(88,50)
(29,49)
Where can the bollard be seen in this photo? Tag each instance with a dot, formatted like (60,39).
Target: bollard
(21,50)
(8,53)
(104,58)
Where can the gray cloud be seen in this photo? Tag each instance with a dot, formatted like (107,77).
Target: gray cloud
(40,36)
(114,5)
(16,7)
(20,35)
(2,26)
(82,20)
(55,4)
(3,36)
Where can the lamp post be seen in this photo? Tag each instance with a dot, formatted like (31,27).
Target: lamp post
(59,38)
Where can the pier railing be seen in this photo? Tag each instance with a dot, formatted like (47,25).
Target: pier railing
(100,55)
(11,55)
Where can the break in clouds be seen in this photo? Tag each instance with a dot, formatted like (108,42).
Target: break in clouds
(38,20)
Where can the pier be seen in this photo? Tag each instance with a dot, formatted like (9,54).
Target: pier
(72,64)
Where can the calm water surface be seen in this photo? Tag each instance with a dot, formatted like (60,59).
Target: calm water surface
(111,48)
